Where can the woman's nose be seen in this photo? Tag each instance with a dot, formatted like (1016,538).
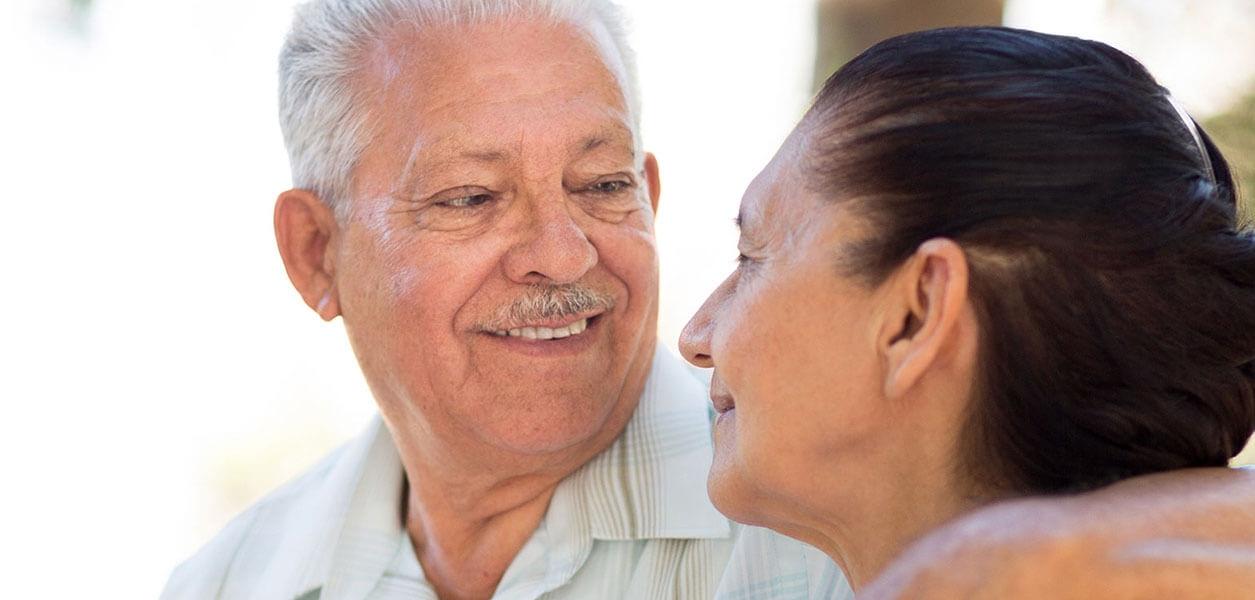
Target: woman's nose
(695,338)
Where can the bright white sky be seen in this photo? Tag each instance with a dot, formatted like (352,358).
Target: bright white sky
(158,371)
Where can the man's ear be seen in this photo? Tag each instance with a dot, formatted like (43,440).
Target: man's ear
(305,228)
(651,178)
(927,298)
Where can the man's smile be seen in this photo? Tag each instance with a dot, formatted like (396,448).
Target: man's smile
(546,333)
(553,328)
(564,336)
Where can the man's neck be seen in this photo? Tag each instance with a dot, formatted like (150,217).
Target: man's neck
(464,548)
(468,519)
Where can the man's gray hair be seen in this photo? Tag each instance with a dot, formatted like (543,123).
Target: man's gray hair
(321,112)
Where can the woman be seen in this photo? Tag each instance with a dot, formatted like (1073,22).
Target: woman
(988,263)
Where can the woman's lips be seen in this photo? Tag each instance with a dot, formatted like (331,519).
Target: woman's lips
(722,403)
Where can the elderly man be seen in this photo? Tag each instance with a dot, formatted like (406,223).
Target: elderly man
(472,199)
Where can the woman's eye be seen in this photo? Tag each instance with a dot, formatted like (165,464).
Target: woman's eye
(467,201)
(746,263)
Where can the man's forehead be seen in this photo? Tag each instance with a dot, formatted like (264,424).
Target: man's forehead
(450,96)
(462,146)
(471,60)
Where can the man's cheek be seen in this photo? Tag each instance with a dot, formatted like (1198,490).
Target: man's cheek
(405,282)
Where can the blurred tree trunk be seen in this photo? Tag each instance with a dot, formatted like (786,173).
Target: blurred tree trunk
(847,27)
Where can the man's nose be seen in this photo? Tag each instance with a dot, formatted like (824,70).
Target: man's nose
(554,248)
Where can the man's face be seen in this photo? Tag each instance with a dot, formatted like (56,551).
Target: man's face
(502,199)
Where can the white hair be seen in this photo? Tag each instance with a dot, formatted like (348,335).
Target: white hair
(322,113)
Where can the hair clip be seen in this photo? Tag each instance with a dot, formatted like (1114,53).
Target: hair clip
(1193,128)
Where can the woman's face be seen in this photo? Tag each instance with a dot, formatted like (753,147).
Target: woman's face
(791,338)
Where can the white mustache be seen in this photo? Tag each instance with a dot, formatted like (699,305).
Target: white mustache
(547,302)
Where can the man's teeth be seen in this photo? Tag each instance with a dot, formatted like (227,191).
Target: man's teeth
(546,333)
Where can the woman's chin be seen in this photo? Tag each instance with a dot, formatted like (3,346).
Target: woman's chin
(731,493)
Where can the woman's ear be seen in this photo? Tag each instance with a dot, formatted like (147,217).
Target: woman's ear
(306,229)
(927,298)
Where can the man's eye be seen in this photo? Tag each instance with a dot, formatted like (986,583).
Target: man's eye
(611,187)
(467,201)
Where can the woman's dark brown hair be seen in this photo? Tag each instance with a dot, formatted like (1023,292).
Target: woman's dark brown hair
(1114,287)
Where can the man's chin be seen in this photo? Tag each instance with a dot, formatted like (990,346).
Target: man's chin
(552,416)
(537,435)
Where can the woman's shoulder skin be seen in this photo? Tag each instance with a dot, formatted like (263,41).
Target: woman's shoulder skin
(1180,534)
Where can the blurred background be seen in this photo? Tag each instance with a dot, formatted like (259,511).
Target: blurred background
(159,374)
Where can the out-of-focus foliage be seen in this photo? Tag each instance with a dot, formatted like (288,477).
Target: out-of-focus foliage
(847,27)
(1234,132)
(1247,457)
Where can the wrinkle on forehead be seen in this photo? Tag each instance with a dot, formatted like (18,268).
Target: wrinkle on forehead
(447,152)
(385,58)
(398,83)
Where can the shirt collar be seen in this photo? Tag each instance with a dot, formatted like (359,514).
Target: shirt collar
(649,484)
(317,532)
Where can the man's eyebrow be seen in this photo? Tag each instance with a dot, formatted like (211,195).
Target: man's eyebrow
(409,177)
(614,136)
(457,154)
(599,140)
(483,155)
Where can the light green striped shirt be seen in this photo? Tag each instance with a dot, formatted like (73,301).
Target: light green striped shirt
(635,522)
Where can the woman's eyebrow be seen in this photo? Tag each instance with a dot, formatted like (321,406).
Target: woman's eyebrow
(746,225)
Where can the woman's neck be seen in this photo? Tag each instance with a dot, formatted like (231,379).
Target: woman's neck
(865,522)
(866,549)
